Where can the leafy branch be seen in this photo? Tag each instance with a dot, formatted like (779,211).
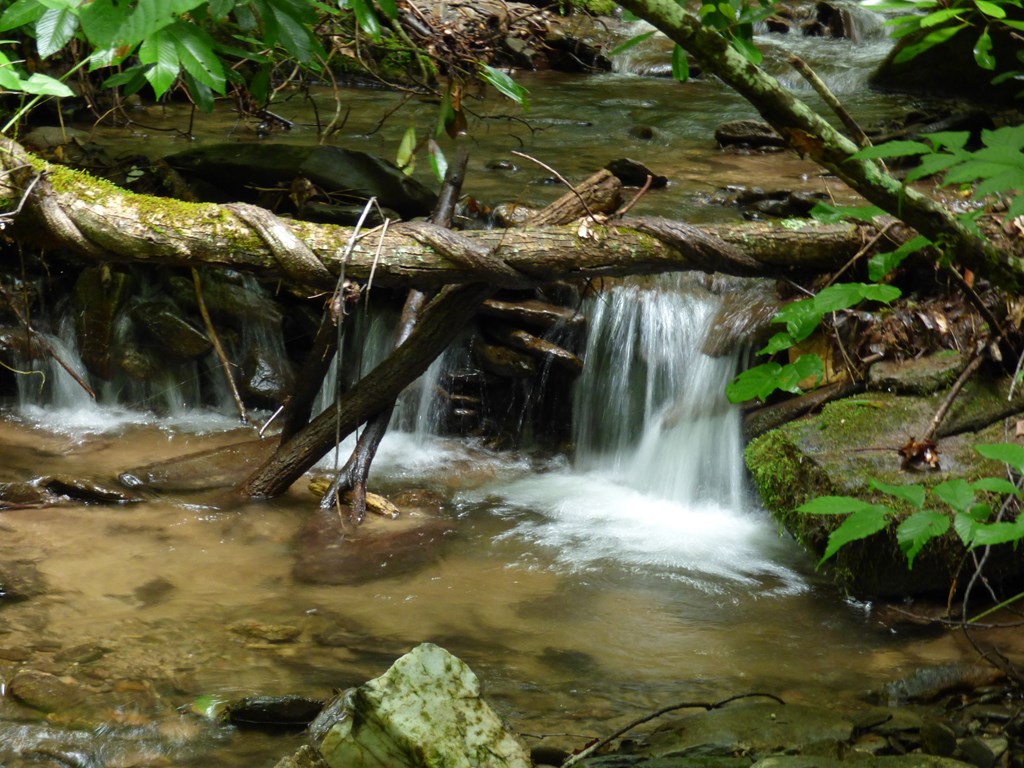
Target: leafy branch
(967,508)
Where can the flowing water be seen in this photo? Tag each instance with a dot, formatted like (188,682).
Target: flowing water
(583,593)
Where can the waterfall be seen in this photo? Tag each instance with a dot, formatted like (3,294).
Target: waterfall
(650,406)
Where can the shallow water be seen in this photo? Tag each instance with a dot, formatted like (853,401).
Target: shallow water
(581,603)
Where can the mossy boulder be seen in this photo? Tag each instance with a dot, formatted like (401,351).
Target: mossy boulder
(853,441)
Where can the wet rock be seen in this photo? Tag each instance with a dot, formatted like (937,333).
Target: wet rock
(99,295)
(335,170)
(884,761)
(78,489)
(266,378)
(268,633)
(754,729)
(917,376)
(154,591)
(823,454)
(634,174)
(424,712)
(642,132)
(216,468)
(273,711)
(748,133)
(19,580)
(937,738)
(977,752)
(81,654)
(378,549)
(177,338)
(947,69)
(45,692)
(235,302)
(929,683)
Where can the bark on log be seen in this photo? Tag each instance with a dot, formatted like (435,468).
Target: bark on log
(98,220)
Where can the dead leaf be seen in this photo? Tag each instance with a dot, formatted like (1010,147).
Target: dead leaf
(919,454)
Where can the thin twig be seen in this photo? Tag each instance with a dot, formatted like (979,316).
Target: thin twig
(225,364)
(589,750)
(636,198)
(560,177)
(864,249)
(830,99)
(954,391)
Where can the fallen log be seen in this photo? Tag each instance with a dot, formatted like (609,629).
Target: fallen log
(94,218)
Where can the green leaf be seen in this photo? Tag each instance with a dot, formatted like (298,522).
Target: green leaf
(996,485)
(100,21)
(366,18)
(388,8)
(149,17)
(405,158)
(210,706)
(53,31)
(200,92)
(881,264)
(747,49)
(39,84)
(1008,136)
(194,48)
(21,13)
(1008,453)
(292,31)
(917,530)
(983,52)
(438,162)
(912,494)
(901,148)
(635,40)
(845,295)
(804,367)
(932,164)
(998,533)
(754,383)
(938,17)
(994,10)
(957,493)
(966,523)
(930,40)
(680,65)
(160,51)
(948,139)
(777,343)
(832,505)
(859,525)
(504,84)
(829,214)
(1008,181)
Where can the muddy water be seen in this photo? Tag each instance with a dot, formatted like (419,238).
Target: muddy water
(564,645)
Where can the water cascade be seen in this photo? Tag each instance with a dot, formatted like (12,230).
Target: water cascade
(658,483)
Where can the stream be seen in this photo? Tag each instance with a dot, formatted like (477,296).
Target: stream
(582,593)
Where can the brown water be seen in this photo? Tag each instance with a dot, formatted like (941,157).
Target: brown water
(561,648)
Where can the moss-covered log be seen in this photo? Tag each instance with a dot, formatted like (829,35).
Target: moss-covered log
(94,218)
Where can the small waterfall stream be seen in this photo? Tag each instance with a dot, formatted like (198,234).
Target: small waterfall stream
(658,485)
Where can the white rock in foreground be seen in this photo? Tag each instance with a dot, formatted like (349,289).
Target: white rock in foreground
(424,712)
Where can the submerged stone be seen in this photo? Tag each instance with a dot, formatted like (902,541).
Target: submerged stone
(424,712)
